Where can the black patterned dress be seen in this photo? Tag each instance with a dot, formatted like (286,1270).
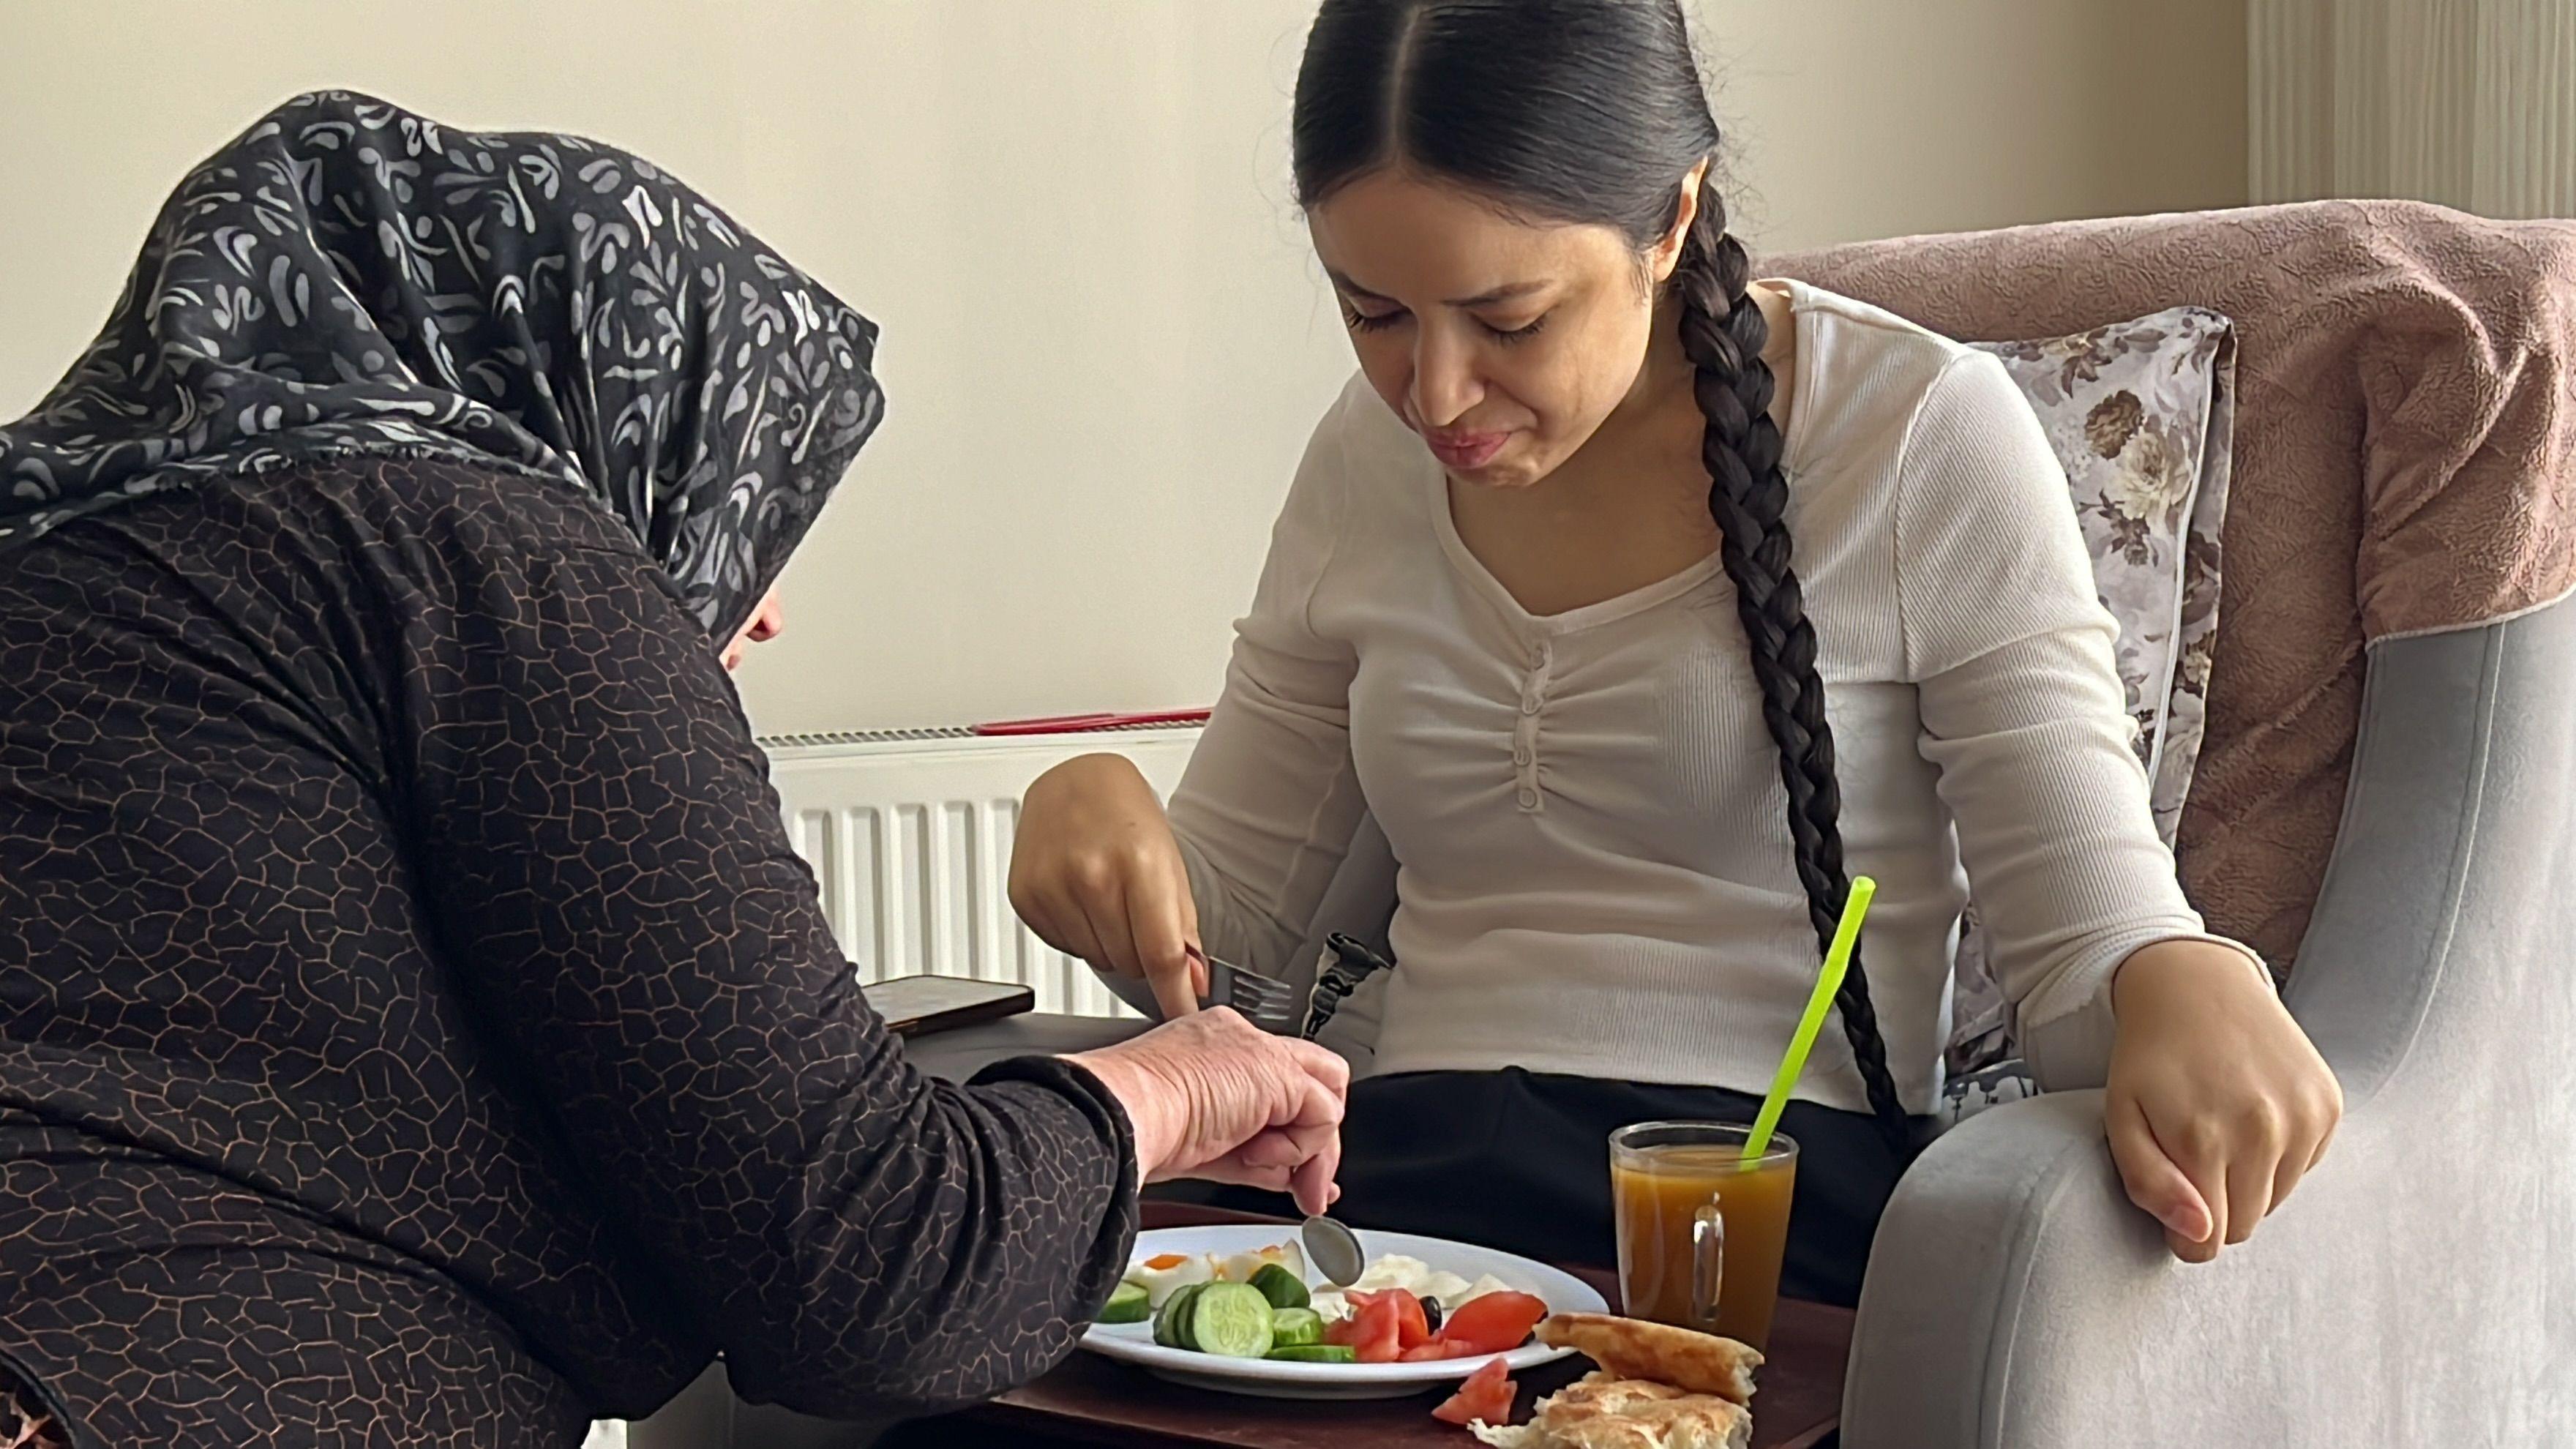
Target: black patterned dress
(414,1025)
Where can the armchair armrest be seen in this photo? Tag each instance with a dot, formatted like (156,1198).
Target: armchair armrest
(2421,1285)
(2016,1298)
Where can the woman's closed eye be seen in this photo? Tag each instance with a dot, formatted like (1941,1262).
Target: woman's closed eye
(1359,321)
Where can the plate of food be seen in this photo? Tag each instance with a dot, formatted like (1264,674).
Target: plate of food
(1236,1308)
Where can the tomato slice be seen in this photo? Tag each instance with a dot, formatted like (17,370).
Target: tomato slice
(1412,1325)
(1495,1323)
(1487,1394)
(1437,1349)
(1376,1334)
(1345,1330)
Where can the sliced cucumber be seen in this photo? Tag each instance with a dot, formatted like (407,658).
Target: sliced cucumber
(1283,1288)
(1295,1327)
(1316,1353)
(1230,1320)
(1171,1323)
(1128,1303)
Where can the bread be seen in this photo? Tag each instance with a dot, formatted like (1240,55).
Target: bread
(1659,1388)
(1603,1412)
(1630,1348)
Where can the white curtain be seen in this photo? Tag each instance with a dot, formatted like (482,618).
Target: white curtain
(2468,103)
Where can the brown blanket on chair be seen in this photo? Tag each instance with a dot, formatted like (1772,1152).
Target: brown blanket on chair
(2405,462)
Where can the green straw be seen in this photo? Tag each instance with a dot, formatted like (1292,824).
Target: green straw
(1803,1041)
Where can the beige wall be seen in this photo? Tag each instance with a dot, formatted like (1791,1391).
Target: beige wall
(1104,338)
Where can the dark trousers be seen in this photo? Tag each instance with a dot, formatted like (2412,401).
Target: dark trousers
(1521,1161)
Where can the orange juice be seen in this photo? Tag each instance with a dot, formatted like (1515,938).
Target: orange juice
(1662,1176)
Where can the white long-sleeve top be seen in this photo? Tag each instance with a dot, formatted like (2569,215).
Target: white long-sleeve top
(1595,865)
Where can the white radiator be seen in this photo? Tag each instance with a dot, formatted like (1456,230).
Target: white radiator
(909,833)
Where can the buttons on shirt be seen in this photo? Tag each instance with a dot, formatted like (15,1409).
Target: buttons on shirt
(1525,731)
(1534,688)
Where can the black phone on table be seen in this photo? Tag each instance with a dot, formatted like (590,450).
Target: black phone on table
(918,1005)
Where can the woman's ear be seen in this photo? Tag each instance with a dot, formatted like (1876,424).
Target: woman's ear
(1667,252)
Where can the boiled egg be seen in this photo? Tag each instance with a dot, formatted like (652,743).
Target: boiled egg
(1240,1267)
(1165,1273)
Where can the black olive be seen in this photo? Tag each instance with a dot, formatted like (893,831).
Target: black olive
(1431,1313)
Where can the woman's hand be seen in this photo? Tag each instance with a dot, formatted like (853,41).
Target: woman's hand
(1211,1095)
(1096,873)
(2217,1103)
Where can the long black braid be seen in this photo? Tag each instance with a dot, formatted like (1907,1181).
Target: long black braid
(1592,112)
(1722,333)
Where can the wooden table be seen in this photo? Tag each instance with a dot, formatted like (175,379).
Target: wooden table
(1090,1400)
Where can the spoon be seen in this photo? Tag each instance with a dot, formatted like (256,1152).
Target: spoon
(1334,1250)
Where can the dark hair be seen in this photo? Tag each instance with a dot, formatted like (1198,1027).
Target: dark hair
(1592,112)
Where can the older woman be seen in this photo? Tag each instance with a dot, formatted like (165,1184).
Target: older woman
(414,1025)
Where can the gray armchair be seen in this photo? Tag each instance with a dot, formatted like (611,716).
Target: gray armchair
(2384,807)
(2421,1287)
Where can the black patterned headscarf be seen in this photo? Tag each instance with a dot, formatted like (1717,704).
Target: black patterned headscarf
(349,278)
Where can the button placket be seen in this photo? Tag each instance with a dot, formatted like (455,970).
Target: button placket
(1525,731)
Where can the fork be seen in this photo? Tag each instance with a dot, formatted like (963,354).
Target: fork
(1266,1001)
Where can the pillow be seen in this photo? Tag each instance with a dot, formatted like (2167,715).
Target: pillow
(2142,416)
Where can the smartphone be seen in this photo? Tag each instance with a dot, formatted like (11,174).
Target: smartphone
(917,1005)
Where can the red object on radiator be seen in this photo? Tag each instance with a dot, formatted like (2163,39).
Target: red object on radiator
(1083,724)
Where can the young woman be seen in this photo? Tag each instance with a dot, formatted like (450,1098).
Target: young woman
(1642,604)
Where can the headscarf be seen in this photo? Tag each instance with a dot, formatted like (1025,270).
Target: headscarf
(351,279)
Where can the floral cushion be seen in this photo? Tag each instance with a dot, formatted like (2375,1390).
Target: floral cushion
(2142,416)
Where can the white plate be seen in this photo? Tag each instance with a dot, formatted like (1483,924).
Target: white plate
(1134,1342)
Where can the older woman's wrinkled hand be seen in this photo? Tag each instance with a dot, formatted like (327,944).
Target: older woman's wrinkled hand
(1212,1096)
